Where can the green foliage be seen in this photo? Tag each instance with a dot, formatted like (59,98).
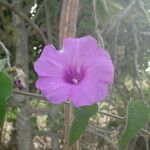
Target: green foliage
(6,88)
(106,9)
(77,128)
(85,24)
(85,112)
(80,122)
(102,11)
(138,115)
(5,85)
(2,63)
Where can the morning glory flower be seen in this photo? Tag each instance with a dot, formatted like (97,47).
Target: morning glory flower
(80,72)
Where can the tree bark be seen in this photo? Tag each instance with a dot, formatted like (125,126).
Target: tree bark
(24,131)
(67,28)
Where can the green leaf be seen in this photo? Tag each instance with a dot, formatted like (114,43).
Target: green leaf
(2,63)
(77,128)
(85,111)
(138,115)
(80,122)
(6,88)
(6,85)
(2,111)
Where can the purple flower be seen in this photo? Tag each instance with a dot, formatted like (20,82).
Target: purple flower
(80,72)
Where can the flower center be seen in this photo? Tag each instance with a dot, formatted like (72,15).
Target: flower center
(74,75)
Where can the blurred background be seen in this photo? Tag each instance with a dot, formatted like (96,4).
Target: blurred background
(121,26)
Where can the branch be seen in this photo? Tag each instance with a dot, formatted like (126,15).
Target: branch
(29,94)
(112,115)
(140,2)
(136,56)
(97,30)
(99,134)
(22,15)
(6,52)
(145,33)
(121,118)
(120,18)
(33,95)
(103,113)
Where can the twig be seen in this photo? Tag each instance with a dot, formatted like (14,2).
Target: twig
(97,30)
(112,115)
(121,118)
(29,94)
(103,113)
(98,134)
(67,28)
(136,55)
(33,95)
(22,15)
(145,33)
(120,18)
(140,2)
(6,52)
(145,131)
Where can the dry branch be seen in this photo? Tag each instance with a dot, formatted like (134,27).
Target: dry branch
(93,131)
(97,30)
(120,19)
(144,11)
(6,52)
(67,28)
(136,57)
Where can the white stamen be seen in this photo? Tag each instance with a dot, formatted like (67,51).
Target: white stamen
(75,80)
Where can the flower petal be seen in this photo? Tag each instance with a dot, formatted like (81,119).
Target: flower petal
(50,63)
(80,97)
(89,93)
(101,92)
(49,68)
(87,45)
(76,50)
(55,90)
(100,67)
(70,50)
(100,72)
(49,51)
(99,56)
